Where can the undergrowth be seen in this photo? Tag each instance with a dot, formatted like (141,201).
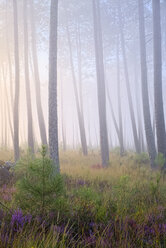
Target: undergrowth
(86,206)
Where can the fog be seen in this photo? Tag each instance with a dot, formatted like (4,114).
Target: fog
(76,70)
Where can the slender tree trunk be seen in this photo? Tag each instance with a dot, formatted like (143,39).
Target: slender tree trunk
(137,98)
(96,136)
(119,102)
(7,104)
(62,120)
(100,84)
(27,82)
(80,116)
(17,84)
(133,122)
(53,110)
(41,121)
(113,115)
(9,59)
(158,96)
(145,94)
(80,69)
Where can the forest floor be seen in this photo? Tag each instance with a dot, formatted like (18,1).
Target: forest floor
(121,206)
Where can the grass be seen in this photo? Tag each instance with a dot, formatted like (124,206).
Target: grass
(121,206)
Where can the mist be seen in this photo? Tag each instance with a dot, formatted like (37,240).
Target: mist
(76,71)
(82,123)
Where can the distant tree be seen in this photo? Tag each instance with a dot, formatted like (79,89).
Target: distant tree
(62,120)
(119,101)
(158,95)
(27,81)
(145,94)
(126,71)
(17,84)
(53,111)
(6,94)
(100,83)
(78,105)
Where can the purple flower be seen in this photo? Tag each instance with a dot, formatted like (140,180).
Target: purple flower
(17,220)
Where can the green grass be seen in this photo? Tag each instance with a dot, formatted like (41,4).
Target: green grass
(124,195)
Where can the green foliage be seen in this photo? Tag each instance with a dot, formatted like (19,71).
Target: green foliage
(87,206)
(155,186)
(115,199)
(160,160)
(142,158)
(39,190)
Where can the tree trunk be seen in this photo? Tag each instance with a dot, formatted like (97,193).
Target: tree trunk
(37,77)
(27,82)
(62,119)
(145,95)
(7,104)
(119,102)
(17,84)
(53,110)
(80,116)
(158,96)
(100,84)
(133,122)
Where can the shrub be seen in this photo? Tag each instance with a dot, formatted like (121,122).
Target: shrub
(142,158)
(39,189)
(160,161)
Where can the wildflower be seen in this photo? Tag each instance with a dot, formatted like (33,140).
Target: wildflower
(17,220)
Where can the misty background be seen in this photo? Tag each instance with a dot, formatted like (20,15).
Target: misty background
(76,27)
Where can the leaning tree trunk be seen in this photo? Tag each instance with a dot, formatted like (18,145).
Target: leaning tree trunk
(100,84)
(52,90)
(145,95)
(158,96)
(41,121)
(132,116)
(17,84)
(27,82)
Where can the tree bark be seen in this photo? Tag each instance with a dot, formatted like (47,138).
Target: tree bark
(145,94)
(53,110)
(158,95)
